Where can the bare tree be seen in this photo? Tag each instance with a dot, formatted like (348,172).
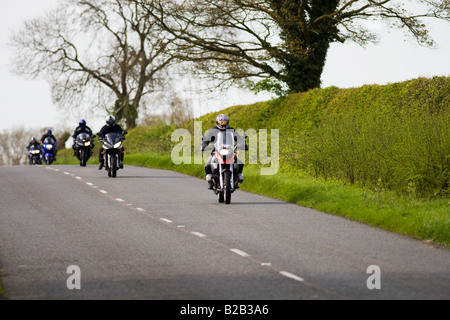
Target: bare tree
(107,52)
(13,145)
(282,42)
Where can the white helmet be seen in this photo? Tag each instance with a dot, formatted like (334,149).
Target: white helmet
(110,120)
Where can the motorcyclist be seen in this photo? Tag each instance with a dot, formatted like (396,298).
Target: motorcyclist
(49,134)
(222,125)
(111,126)
(34,143)
(82,128)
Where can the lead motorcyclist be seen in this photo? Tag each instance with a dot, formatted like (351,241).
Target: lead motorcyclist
(82,128)
(222,125)
(111,126)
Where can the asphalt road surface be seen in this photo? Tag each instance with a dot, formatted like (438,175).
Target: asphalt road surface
(73,233)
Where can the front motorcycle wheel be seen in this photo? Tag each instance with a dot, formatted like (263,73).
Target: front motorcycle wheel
(83,158)
(113,167)
(227,185)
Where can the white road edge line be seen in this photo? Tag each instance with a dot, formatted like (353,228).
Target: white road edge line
(239,252)
(166,220)
(291,276)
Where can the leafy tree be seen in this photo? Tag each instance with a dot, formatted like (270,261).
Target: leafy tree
(283,42)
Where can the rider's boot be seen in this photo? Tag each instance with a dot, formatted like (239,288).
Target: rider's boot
(210,183)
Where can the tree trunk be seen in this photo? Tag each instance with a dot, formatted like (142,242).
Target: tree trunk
(308,39)
(304,72)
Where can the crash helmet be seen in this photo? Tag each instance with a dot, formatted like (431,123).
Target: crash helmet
(82,123)
(222,121)
(49,131)
(34,140)
(110,120)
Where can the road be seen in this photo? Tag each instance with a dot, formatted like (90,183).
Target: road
(159,235)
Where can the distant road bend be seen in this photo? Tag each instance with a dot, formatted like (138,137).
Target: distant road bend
(160,235)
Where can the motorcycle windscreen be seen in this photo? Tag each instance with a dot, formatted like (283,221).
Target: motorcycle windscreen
(224,139)
(83,137)
(113,137)
(49,140)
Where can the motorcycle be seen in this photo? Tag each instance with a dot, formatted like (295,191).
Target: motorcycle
(34,155)
(224,167)
(112,145)
(84,144)
(48,150)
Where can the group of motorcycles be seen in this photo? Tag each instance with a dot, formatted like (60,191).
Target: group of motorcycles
(223,165)
(112,150)
(44,153)
(84,144)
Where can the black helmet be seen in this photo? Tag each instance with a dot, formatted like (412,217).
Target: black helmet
(110,120)
(222,121)
(82,123)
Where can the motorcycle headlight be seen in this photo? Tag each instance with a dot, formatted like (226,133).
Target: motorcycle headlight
(117,145)
(225,152)
(87,143)
(49,147)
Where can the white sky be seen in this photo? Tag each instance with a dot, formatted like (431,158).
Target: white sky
(395,58)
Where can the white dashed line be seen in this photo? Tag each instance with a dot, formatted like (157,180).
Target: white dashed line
(266,264)
(291,276)
(103,191)
(120,200)
(140,209)
(78,178)
(198,234)
(166,220)
(239,252)
(66,172)
(89,184)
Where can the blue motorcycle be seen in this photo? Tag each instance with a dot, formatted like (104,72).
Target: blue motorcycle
(48,150)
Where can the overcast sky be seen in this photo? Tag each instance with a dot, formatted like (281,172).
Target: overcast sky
(395,58)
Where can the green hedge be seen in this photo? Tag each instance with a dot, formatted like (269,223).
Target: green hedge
(394,137)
